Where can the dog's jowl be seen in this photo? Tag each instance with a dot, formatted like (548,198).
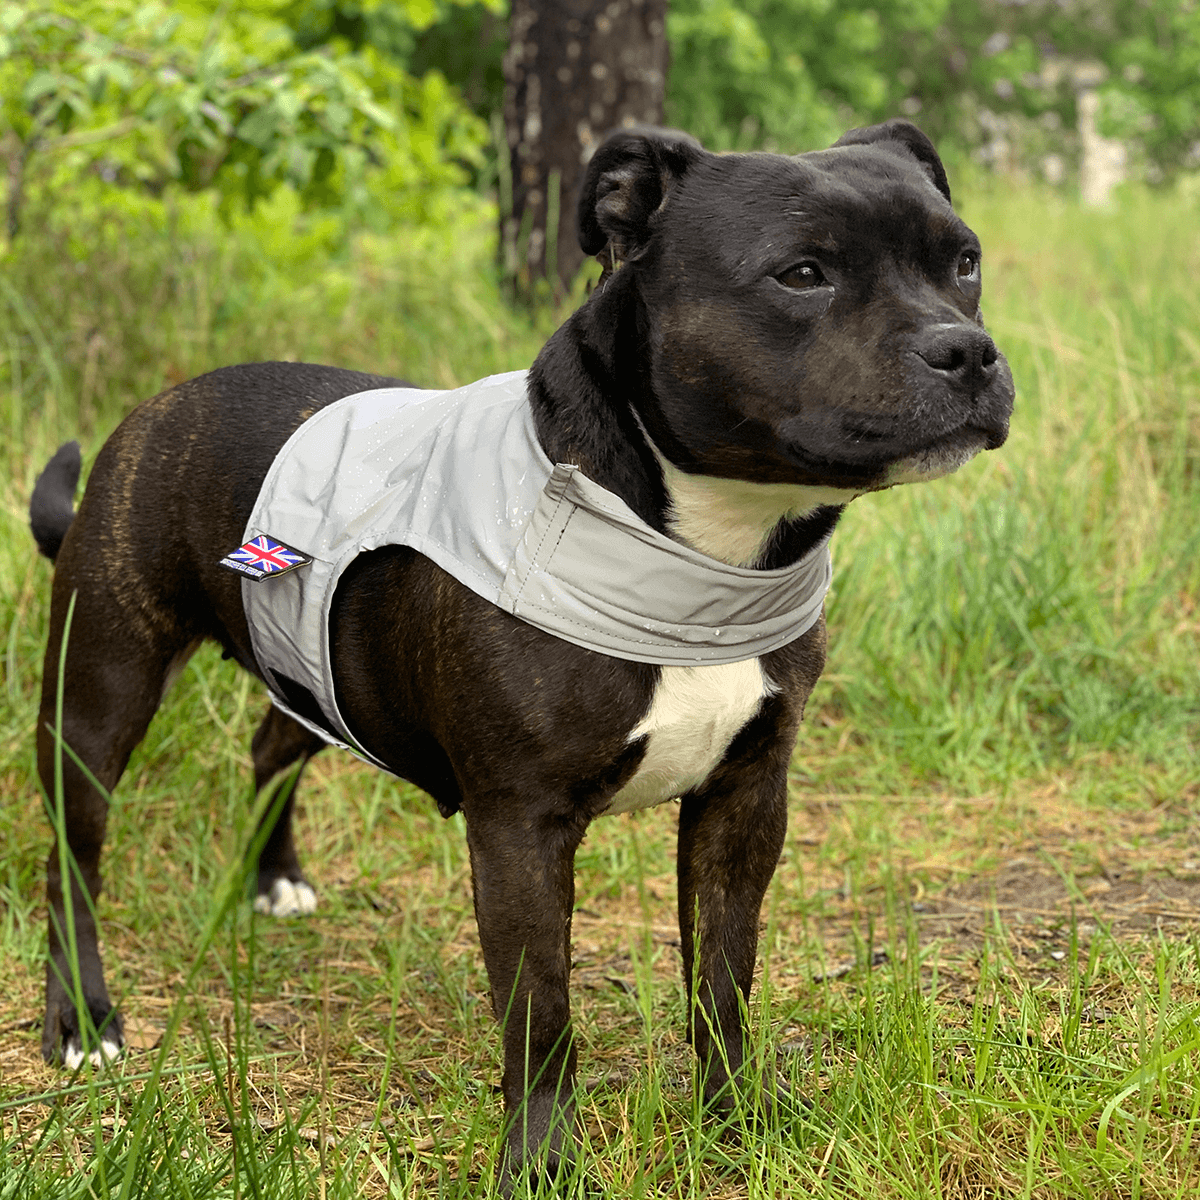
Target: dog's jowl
(582,589)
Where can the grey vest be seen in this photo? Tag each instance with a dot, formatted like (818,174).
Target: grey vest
(461,477)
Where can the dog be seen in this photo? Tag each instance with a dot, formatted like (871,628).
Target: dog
(772,337)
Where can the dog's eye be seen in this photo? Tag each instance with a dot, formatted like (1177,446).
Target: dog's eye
(968,267)
(802,275)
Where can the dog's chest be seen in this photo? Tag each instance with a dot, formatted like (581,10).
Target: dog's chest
(694,715)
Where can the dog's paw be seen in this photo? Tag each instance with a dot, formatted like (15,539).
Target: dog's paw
(286,899)
(73,1055)
(62,1040)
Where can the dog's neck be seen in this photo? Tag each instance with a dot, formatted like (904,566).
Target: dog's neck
(737,521)
(764,525)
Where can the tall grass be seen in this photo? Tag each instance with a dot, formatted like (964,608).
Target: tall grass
(105,306)
(1027,629)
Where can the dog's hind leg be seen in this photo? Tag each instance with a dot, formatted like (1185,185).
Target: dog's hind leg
(279,742)
(115,673)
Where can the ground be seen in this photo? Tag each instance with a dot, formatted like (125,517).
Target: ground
(1010,887)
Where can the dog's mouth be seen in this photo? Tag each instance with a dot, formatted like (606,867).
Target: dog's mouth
(944,455)
(876,468)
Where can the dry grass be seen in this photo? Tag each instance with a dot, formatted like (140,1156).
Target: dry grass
(356,1061)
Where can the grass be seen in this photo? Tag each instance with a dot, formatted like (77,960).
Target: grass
(980,974)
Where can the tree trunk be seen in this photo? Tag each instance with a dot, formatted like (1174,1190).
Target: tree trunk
(575,69)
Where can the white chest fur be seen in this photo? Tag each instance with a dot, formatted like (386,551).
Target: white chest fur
(694,715)
(696,712)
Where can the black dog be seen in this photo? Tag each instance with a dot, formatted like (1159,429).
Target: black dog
(780,335)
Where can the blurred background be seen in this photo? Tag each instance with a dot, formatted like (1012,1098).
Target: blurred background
(374,113)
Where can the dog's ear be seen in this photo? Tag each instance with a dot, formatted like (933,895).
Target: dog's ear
(629,179)
(903,134)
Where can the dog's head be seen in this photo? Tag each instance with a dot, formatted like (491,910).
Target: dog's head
(811,319)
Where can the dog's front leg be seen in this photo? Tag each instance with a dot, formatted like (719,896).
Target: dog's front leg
(524,885)
(731,832)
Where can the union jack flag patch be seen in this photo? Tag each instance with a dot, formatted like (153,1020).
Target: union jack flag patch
(263,556)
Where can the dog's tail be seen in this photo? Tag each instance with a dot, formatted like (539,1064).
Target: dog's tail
(52,505)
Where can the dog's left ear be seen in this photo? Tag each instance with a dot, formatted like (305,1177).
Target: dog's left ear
(903,134)
(629,180)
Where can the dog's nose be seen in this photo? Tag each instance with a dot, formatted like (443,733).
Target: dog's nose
(963,351)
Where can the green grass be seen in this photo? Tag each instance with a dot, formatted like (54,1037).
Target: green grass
(992,866)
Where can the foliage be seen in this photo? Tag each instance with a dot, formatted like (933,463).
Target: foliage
(379,110)
(1152,52)
(1033,60)
(117,295)
(205,96)
(462,41)
(784,74)
(793,73)
(391,27)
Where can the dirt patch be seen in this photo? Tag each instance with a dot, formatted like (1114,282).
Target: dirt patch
(1029,898)
(1036,871)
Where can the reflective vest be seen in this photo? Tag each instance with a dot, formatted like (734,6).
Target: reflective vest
(461,477)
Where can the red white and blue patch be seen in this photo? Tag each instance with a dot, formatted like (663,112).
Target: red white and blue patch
(263,556)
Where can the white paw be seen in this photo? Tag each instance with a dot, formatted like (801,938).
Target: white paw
(286,899)
(73,1053)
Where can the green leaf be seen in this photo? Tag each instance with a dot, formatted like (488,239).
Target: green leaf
(43,83)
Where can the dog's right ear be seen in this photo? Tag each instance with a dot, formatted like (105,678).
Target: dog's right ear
(628,183)
(906,135)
